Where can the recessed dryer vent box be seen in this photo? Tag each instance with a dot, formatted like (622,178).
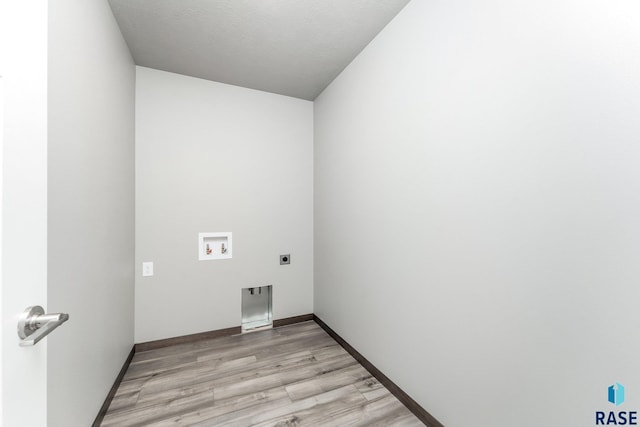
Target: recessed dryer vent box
(214,246)
(257,311)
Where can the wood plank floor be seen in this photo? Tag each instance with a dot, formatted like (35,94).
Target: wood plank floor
(294,375)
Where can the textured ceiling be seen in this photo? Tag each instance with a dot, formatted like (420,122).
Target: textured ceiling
(290,47)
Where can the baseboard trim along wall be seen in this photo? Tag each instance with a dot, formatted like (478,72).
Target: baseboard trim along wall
(184,339)
(105,406)
(403,397)
(292,320)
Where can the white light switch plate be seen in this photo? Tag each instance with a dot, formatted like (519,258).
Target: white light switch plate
(147,269)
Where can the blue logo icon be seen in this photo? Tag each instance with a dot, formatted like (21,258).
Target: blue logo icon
(616,394)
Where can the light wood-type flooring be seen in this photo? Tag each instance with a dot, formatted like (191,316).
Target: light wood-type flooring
(295,375)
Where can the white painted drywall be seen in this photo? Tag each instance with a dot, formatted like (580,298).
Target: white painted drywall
(1,192)
(290,47)
(91,207)
(23,65)
(212,157)
(478,164)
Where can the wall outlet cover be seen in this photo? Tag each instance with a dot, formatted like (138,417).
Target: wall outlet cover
(147,269)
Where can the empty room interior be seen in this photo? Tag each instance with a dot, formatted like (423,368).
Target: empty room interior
(310,212)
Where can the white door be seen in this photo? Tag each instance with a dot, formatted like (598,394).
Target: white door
(1,145)
(23,265)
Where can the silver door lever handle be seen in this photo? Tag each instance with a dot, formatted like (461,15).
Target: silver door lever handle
(34,325)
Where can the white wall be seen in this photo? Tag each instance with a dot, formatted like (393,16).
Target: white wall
(91,207)
(476,208)
(212,158)
(1,198)
(23,65)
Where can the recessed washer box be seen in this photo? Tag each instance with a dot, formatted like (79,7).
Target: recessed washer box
(214,246)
